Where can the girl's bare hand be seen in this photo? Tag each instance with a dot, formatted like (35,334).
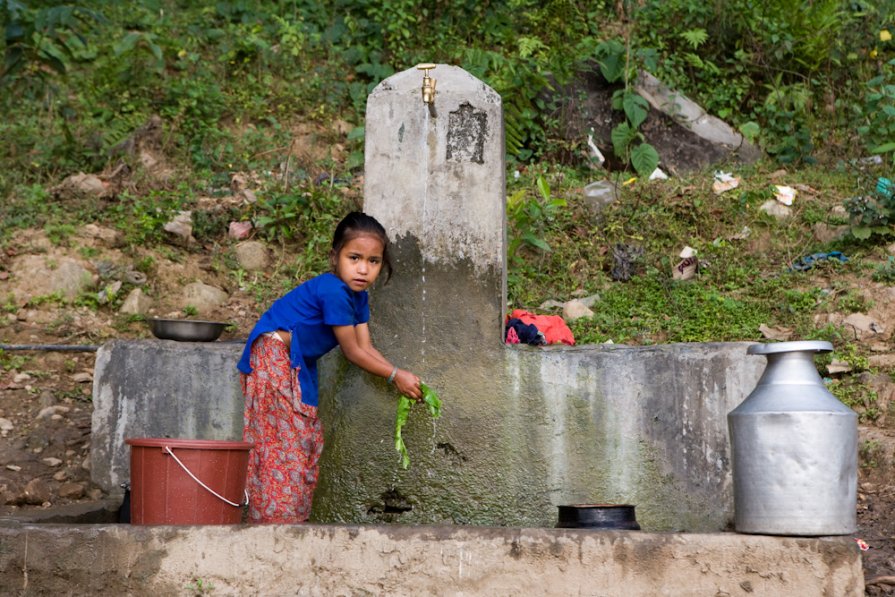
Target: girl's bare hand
(408,384)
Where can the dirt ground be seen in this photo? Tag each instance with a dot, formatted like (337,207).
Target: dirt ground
(45,405)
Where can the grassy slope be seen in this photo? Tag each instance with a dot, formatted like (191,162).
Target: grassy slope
(234,95)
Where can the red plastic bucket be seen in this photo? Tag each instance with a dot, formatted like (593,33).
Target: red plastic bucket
(180,482)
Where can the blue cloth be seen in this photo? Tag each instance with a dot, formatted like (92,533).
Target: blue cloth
(528,333)
(809,261)
(309,312)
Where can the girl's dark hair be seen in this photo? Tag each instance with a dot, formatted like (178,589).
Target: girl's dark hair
(355,224)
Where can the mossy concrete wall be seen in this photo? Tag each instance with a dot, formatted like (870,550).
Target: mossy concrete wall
(524,429)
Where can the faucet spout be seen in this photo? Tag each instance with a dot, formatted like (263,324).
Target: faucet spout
(428,88)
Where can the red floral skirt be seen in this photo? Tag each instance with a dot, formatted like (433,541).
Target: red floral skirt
(288,438)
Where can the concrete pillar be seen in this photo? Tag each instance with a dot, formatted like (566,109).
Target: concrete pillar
(435,179)
(436,182)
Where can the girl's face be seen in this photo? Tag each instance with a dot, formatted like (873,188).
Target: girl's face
(359,262)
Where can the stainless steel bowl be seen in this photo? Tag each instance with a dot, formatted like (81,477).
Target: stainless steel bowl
(186,330)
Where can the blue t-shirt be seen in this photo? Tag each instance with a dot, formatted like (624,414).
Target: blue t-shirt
(309,312)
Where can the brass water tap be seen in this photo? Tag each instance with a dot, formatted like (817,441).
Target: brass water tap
(428,88)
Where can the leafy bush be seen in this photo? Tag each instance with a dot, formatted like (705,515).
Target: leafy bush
(628,142)
(529,215)
(878,111)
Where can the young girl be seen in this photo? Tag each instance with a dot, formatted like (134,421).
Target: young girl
(279,369)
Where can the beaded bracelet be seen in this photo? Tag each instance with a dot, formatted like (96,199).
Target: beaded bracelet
(391,377)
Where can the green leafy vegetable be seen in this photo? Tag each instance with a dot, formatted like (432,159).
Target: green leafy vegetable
(433,402)
(404,404)
(433,405)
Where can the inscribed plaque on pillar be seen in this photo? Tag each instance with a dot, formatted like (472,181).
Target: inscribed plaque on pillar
(466,134)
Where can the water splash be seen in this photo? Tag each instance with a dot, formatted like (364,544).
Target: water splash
(423,309)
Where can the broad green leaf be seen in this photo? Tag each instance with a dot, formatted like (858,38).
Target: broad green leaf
(861,232)
(750,130)
(127,43)
(618,99)
(557,203)
(622,135)
(14,32)
(534,241)
(612,68)
(611,58)
(543,188)
(884,148)
(156,52)
(515,200)
(636,109)
(355,160)
(645,159)
(650,58)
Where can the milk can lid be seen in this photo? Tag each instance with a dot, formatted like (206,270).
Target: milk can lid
(802,345)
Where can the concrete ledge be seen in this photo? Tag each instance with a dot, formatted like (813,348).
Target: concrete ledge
(410,560)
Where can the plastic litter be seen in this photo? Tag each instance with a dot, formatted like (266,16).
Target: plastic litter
(658,175)
(594,150)
(884,187)
(600,193)
(239,230)
(775,209)
(686,268)
(724,181)
(785,195)
(809,261)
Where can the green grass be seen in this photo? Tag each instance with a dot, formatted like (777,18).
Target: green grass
(742,282)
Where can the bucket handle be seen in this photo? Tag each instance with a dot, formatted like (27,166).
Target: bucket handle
(204,486)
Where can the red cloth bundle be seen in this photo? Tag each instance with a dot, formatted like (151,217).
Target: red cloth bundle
(553,327)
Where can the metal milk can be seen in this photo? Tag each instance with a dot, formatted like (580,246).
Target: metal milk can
(795,449)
